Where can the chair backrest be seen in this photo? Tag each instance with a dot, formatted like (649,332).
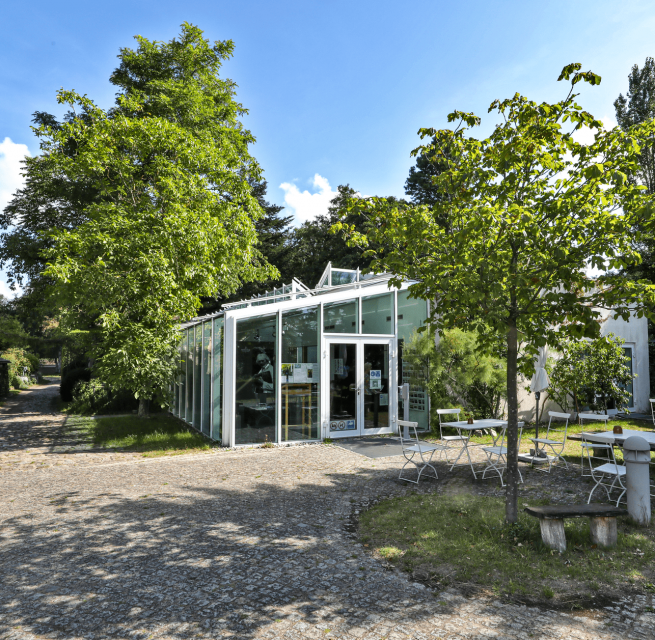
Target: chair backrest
(446,412)
(404,429)
(502,439)
(593,416)
(559,415)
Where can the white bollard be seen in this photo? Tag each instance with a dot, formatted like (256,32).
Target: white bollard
(636,452)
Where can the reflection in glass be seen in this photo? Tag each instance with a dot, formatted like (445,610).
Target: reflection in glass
(197,377)
(343,277)
(343,388)
(340,317)
(217,418)
(255,380)
(206,376)
(411,314)
(376,386)
(181,379)
(189,375)
(627,352)
(377,314)
(301,374)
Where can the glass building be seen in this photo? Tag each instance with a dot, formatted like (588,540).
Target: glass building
(299,364)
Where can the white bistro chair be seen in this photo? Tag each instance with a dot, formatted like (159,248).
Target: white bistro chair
(652,408)
(590,445)
(556,446)
(450,442)
(416,452)
(497,456)
(610,470)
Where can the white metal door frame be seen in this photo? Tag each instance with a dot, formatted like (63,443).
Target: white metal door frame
(359,343)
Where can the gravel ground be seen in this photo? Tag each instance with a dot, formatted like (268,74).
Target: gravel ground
(246,544)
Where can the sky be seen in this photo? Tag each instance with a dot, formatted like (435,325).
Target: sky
(336,91)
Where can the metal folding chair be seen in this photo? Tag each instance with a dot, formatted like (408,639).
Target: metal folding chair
(602,474)
(652,408)
(556,446)
(589,445)
(416,452)
(497,456)
(450,442)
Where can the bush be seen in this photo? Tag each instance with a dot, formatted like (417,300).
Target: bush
(16,382)
(91,397)
(19,359)
(69,379)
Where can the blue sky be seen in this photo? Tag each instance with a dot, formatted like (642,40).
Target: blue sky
(336,90)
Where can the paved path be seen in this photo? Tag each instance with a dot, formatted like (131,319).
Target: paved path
(244,544)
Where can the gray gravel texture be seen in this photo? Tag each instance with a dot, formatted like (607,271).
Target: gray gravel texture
(245,544)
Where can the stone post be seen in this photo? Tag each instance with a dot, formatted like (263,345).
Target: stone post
(636,452)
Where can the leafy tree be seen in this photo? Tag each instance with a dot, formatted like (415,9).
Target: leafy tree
(528,209)
(315,245)
(174,215)
(12,333)
(633,109)
(458,372)
(420,185)
(275,243)
(591,373)
(636,107)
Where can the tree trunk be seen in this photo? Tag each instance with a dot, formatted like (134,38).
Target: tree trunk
(512,482)
(144,408)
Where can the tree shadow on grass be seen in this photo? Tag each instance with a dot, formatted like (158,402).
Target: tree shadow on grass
(232,555)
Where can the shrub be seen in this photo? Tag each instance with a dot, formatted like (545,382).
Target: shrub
(91,397)
(19,359)
(16,382)
(69,379)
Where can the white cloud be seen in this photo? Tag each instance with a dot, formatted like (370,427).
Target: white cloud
(586,135)
(6,291)
(306,206)
(11,155)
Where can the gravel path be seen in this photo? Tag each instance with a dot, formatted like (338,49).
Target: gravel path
(244,544)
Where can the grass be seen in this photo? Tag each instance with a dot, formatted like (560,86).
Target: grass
(463,541)
(158,435)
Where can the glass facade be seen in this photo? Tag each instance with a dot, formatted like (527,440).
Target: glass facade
(188,392)
(275,376)
(197,377)
(256,364)
(217,382)
(411,315)
(181,379)
(341,317)
(300,374)
(377,314)
(206,377)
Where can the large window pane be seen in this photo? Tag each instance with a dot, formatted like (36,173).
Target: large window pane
(377,314)
(411,315)
(181,389)
(343,387)
(340,317)
(300,375)
(256,362)
(376,386)
(189,375)
(206,376)
(217,419)
(197,378)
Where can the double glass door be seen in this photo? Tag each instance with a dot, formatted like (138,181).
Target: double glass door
(360,391)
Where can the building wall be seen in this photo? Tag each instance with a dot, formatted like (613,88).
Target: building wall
(635,334)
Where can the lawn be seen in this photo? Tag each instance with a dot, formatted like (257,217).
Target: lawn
(462,541)
(158,435)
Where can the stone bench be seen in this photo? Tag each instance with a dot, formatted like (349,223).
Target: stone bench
(602,522)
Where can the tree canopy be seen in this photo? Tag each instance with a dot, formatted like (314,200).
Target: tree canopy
(172,214)
(527,211)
